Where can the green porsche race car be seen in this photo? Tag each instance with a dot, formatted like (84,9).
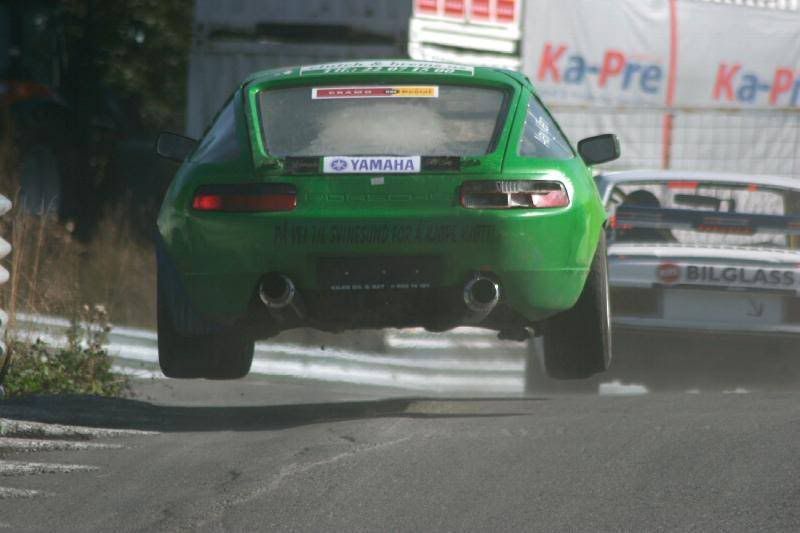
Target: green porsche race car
(381,194)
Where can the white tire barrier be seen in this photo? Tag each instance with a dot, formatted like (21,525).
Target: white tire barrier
(5,249)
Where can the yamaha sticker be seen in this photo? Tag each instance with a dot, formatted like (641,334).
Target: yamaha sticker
(371,165)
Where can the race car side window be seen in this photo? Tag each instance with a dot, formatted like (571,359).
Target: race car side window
(220,144)
(541,138)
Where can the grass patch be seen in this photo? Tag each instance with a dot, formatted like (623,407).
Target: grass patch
(83,366)
(53,273)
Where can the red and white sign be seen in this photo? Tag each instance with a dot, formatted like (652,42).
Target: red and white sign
(506,11)
(668,272)
(426,7)
(480,10)
(502,12)
(454,8)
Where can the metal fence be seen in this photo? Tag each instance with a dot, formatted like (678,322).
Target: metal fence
(785,5)
(758,141)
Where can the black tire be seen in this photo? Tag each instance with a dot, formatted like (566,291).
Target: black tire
(538,382)
(577,342)
(224,354)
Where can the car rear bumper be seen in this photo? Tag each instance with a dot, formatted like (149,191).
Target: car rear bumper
(540,260)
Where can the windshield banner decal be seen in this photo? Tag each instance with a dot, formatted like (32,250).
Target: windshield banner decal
(405,91)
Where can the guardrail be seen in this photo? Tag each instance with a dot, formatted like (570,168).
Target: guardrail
(460,360)
(5,249)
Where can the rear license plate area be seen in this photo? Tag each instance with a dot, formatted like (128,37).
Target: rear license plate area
(378,273)
(734,307)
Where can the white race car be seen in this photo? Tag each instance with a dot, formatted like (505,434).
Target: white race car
(704,252)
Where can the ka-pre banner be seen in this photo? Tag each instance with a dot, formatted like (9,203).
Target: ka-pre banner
(681,53)
(603,52)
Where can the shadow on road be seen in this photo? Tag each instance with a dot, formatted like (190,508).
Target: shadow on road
(137,414)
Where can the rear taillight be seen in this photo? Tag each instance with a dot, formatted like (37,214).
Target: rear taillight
(513,194)
(250,197)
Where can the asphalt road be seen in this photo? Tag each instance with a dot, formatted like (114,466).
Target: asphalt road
(265,454)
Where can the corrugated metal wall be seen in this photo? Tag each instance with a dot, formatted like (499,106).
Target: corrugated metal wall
(223,54)
(382,16)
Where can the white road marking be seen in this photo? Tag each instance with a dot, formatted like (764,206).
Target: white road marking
(34,445)
(8,493)
(21,428)
(19,468)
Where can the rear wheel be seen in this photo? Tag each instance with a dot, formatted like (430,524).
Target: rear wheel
(577,342)
(226,354)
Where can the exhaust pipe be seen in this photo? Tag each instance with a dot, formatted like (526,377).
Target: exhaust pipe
(481,295)
(277,292)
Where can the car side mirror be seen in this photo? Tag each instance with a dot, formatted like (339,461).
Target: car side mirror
(173,146)
(599,149)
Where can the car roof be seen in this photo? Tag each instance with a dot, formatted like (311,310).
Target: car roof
(615,178)
(384,67)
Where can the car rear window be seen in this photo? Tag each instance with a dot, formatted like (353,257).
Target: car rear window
(370,120)
(541,137)
(702,213)
(219,144)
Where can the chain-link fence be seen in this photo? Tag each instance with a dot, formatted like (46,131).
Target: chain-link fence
(785,5)
(758,141)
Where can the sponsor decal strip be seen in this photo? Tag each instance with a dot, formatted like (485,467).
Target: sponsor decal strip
(371,165)
(405,91)
(302,234)
(387,66)
(670,273)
